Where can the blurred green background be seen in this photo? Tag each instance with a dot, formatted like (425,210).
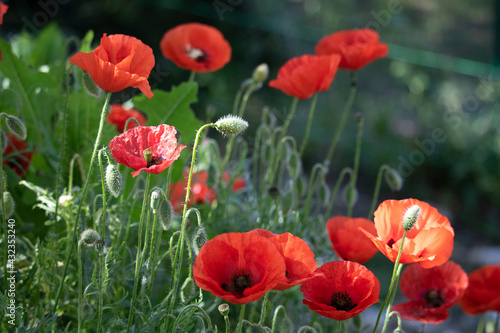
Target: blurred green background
(430,107)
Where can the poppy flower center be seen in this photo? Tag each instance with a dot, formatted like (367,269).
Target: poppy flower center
(433,298)
(342,301)
(195,54)
(241,279)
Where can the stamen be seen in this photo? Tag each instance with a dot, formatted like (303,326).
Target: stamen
(195,54)
(342,301)
(241,279)
(433,298)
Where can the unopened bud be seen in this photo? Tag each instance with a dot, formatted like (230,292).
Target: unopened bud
(411,217)
(91,87)
(282,322)
(113,179)
(89,237)
(188,290)
(165,213)
(260,73)
(8,204)
(16,126)
(199,239)
(224,309)
(256,328)
(231,125)
(350,195)
(307,329)
(393,179)
(324,194)
(294,165)
(155,200)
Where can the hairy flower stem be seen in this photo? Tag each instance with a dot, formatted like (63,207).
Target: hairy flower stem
(376,192)
(100,302)
(180,247)
(152,252)
(392,292)
(289,118)
(264,308)
(239,327)
(343,118)
(80,286)
(354,174)
(82,199)
(228,326)
(103,236)
(138,258)
(309,123)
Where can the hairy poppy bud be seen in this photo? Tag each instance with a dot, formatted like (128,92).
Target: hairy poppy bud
(89,237)
(307,329)
(256,328)
(16,126)
(294,165)
(8,204)
(89,84)
(260,73)
(188,290)
(113,179)
(165,213)
(393,179)
(199,239)
(224,309)
(350,195)
(324,194)
(231,125)
(155,200)
(411,217)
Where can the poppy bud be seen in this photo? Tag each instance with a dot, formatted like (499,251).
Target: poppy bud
(324,194)
(199,239)
(288,201)
(155,200)
(113,179)
(8,204)
(260,73)
(89,237)
(294,165)
(411,217)
(231,125)
(281,321)
(256,328)
(307,329)
(165,213)
(188,290)
(393,179)
(301,186)
(350,195)
(16,126)
(224,309)
(90,86)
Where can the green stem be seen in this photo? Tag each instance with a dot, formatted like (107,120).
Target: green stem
(335,191)
(309,123)
(423,328)
(239,327)
(138,258)
(339,326)
(377,190)
(354,174)
(264,309)
(228,326)
(290,116)
(388,313)
(481,324)
(80,287)
(343,118)
(104,207)
(100,302)
(152,252)
(191,76)
(497,321)
(82,199)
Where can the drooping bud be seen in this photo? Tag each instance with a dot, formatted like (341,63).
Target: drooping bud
(148,155)
(231,125)
(8,204)
(307,329)
(89,237)
(199,239)
(155,200)
(294,165)
(224,309)
(350,195)
(324,194)
(411,217)
(89,84)
(16,126)
(260,73)
(165,212)
(188,290)
(393,179)
(113,179)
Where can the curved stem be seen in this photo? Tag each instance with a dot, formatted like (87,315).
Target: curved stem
(354,174)
(309,123)
(343,118)
(377,190)
(82,199)
(335,191)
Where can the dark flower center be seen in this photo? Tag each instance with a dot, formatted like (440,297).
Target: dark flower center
(241,279)
(342,301)
(196,54)
(433,298)
(391,242)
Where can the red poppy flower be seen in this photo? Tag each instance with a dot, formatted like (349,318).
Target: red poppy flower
(158,144)
(431,291)
(357,47)
(239,183)
(200,192)
(304,76)
(196,47)
(118,116)
(429,242)
(348,241)
(342,291)
(483,293)
(239,267)
(16,155)
(3,10)
(299,259)
(119,62)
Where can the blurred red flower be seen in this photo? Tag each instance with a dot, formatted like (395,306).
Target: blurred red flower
(357,47)
(16,155)
(306,75)
(118,117)
(348,241)
(431,291)
(130,147)
(3,10)
(429,242)
(239,267)
(299,259)
(343,290)
(119,62)
(483,293)
(196,47)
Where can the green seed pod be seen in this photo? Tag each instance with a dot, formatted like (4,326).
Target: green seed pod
(113,179)
(165,213)
(231,125)
(155,200)
(294,165)
(91,87)
(224,309)
(9,204)
(199,239)
(350,195)
(307,329)
(89,237)
(393,179)
(188,290)
(16,126)
(411,217)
